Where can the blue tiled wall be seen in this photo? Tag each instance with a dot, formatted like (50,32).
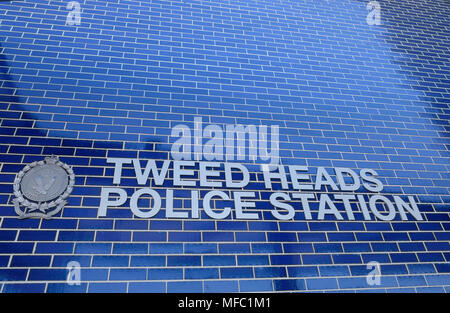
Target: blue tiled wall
(344,94)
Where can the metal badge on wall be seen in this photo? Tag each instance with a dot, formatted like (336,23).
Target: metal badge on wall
(42,188)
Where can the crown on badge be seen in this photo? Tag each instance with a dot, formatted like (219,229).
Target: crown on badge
(52,159)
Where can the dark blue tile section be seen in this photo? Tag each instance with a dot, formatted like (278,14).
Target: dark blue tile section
(147,287)
(289,284)
(30,261)
(7,274)
(321,283)
(255,285)
(224,286)
(66,288)
(107,287)
(24,288)
(131,274)
(177,287)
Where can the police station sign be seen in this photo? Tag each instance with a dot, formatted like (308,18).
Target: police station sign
(218,187)
(295,191)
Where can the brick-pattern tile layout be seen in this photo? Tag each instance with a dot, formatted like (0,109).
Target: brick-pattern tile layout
(343,93)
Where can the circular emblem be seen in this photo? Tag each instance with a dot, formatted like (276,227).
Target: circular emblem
(42,187)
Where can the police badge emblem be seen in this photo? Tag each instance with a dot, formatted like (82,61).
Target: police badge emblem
(42,188)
